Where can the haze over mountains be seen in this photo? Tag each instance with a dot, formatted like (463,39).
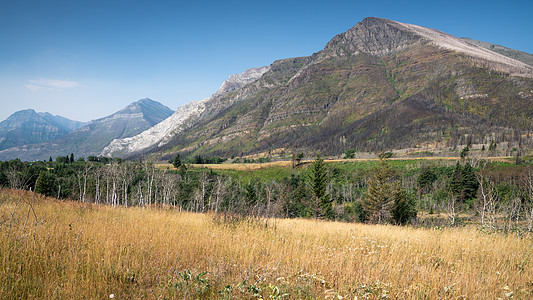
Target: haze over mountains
(380,85)
(29,127)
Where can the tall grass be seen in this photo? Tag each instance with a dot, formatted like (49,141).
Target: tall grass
(73,250)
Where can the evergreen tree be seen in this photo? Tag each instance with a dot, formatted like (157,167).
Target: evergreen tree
(177,161)
(379,198)
(464,184)
(386,199)
(492,145)
(425,179)
(251,195)
(470,182)
(465,151)
(457,181)
(403,209)
(322,202)
(46,184)
(71,157)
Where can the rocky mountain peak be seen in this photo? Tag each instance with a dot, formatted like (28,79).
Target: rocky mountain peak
(382,37)
(24,113)
(374,36)
(237,81)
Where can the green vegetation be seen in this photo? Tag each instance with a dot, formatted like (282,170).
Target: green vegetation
(321,201)
(439,192)
(386,199)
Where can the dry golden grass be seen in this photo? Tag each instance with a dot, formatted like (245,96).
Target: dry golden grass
(87,251)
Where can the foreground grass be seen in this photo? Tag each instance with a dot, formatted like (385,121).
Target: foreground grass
(72,250)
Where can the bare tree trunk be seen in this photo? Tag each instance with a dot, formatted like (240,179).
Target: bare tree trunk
(97,187)
(487,207)
(451,209)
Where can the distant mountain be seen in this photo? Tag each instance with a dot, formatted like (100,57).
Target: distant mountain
(515,54)
(380,85)
(63,122)
(92,138)
(184,117)
(29,127)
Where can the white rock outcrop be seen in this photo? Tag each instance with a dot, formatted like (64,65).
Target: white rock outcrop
(184,117)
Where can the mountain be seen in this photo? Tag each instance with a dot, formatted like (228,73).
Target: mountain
(380,85)
(159,135)
(92,138)
(515,54)
(63,122)
(29,127)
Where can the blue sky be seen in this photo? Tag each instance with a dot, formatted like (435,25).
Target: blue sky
(87,59)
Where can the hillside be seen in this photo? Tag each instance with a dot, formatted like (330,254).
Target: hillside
(92,138)
(380,85)
(29,127)
(160,134)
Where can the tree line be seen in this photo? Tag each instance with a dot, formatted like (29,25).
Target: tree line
(382,194)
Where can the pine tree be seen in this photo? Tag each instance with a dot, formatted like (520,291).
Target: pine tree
(386,199)
(403,209)
(457,182)
(46,184)
(71,157)
(322,202)
(426,179)
(177,161)
(470,182)
(492,145)
(464,183)
(465,151)
(379,199)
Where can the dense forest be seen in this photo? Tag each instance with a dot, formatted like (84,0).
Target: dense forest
(430,193)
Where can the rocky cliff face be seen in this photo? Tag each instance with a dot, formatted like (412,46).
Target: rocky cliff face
(184,117)
(92,138)
(374,36)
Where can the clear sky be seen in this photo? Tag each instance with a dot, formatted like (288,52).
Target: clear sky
(86,59)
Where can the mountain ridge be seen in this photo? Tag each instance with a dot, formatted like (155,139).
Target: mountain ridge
(158,135)
(333,95)
(380,85)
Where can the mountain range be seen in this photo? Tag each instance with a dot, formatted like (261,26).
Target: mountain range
(29,127)
(93,137)
(380,85)
(184,117)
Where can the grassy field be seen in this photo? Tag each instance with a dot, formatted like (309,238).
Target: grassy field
(281,169)
(288,163)
(56,249)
